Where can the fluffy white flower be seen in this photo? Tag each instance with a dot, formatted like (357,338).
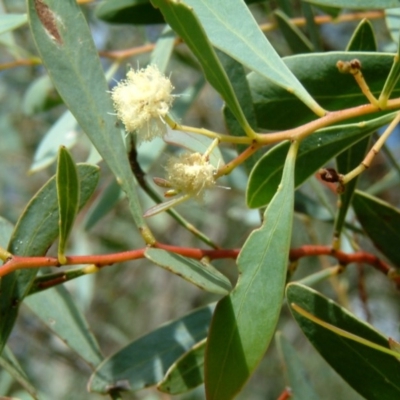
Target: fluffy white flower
(142,100)
(191,174)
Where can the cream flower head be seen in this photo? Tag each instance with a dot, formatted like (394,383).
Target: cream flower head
(190,173)
(142,100)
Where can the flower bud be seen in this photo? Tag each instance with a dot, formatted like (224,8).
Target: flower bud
(191,174)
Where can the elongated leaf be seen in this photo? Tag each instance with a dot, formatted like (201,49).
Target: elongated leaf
(315,151)
(244,322)
(68,198)
(9,363)
(372,373)
(67,50)
(277,109)
(186,24)
(297,41)
(381,222)
(204,276)
(145,361)
(363,39)
(56,308)
(232,29)
(9,22)
(186,373)
(36,230)
(297,378)
(356,4)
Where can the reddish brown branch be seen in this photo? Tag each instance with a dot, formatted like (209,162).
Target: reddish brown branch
(101,260)
(346,258)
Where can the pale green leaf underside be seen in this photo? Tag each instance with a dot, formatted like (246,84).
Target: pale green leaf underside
(204,276)
(145,361)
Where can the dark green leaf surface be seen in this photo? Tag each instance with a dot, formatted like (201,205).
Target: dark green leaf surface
(34,233)
(373,374)
(57,309)
(204,276)
(381,222)
(297,41)
(297,377)
(357,4)
(314,152)
(68,198)
(244,322)
(277,109)
(186,24)
(363,38)
(145,361)
(128,12)
(231,28)
(186,373)
(74,67)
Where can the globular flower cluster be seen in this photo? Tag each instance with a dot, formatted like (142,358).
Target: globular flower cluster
(142,100)
(190,173)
